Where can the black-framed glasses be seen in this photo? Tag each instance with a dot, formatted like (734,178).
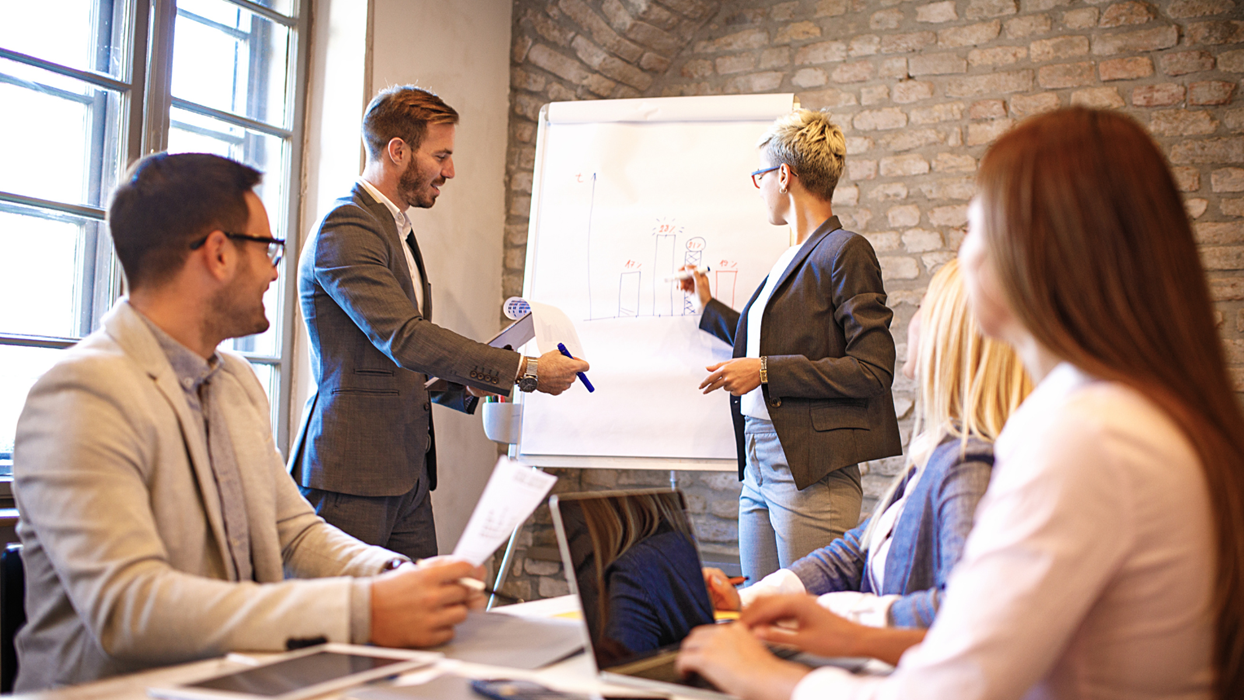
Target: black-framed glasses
(276,246)
(761,173)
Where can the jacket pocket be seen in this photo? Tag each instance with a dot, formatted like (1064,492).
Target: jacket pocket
(840,414)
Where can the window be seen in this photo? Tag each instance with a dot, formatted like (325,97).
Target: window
(89,86)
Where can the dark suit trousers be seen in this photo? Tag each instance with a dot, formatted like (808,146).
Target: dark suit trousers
(402,523)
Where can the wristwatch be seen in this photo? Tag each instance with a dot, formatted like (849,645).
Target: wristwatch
(527,382)
(764,369)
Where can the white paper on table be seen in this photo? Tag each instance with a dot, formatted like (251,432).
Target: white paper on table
(553,326)
(512,494)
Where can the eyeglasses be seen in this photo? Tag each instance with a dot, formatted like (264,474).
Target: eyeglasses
(276,246)
(761,173)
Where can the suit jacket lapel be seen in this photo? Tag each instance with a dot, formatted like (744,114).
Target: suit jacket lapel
(423,277)
(385,217)
(831,224)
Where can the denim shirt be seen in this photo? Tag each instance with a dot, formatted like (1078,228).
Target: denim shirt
(927,541)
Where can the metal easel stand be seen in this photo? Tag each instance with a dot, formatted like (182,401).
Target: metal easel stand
(504,570)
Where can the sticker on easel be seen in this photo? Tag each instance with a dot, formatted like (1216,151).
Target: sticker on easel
(515,308)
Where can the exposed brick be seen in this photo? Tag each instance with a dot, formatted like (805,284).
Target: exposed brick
(1182,122)
(953,215)
(886,242)
(1216,32)
(654,63)
(874,94)
(600,85)
(954,163)
(1216,258)
(895,67)
(853,72)
(846,196)
(918,240)
(1125,13)
(520,205)
(601,32)
(1029,25)
(1186,179)
(1184,62)
(783,12)
(1196,207)
(907,139)
(526,80)
(821,52)
(905,43)
(888,191)
(809,77)
(1125,68)
(697,69)
(1220,150)
(1226,289)
(866,45)
(695,9)
(522,44)
(992,83)
(617,15)
(738,63)
(738,41)
(528,105)
(885,19)
(1239,326)
(1058,47)
(1198,8)
(751,15)
(1098,98)
(937,12)
(857,220)
(1210,92)
(774,58)
(948,111)
(589,53)
(936,64)
(908,91)
(1227,180)
(756,82)
(861,169)
(829,97)
(1231,207)
(898,268)
(971,35)
(560,93)
(903,216)
(558,64)
(1161,95)
(997,55)
(550,30)
(1231,61)
(875,119)
(960,188)
(1066,75)
(1028,105)
(796,31)
(980,133)
(904,165)
(1082,18)
(524,132)
(832,8)
(980,9)
(1233,119)
(1043,5)
(624,72)
(987,109)
(1135,42)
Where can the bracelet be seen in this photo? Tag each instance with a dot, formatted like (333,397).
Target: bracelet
(764,369)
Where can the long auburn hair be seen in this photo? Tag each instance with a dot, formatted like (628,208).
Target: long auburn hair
(1097,259)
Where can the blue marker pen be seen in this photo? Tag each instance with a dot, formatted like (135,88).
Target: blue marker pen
(582,377)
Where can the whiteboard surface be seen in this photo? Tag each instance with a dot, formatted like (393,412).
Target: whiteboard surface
(618,205)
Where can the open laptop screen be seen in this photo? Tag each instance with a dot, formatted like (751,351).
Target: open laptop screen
(636,570)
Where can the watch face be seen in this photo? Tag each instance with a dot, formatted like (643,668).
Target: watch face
(527,384)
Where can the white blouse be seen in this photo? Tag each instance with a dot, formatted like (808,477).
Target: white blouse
(1088,573)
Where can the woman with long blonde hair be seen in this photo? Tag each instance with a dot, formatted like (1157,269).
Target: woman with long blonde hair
(892,569)
(1108,555)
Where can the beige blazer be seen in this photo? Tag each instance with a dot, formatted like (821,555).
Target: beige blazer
(122,527)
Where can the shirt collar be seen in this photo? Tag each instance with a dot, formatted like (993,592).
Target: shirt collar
(399,216)
(192,370)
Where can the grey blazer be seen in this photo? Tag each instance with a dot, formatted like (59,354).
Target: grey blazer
(830,356)
(121,521)
(367,430)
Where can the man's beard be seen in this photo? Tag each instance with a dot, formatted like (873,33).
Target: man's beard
(408,187)
(233,314)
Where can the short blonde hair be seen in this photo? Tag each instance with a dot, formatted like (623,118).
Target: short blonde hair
(812,146)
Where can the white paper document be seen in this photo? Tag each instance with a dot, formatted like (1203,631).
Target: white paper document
(553,326)
(513,492)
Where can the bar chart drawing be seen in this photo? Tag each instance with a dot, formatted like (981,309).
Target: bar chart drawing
(628,294)
(693,257)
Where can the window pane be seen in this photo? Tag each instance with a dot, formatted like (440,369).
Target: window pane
(48,264)
(268,377)
(66,135)
(82,34)
(231,60)
(22,366)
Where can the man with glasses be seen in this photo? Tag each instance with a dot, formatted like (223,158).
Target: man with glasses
(157,519)
(366,454)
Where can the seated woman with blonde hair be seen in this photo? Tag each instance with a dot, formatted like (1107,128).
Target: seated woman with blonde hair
(1107,560)
(892,570)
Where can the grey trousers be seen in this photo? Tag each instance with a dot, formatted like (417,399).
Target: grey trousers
(779,523)
(403,524)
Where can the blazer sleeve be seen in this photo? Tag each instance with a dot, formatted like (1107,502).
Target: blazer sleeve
(86,451)
(867,368)
(352,264)
(836,567)
(720,321)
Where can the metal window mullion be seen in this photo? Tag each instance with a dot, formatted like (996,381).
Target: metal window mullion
(231,118)
(36,341)
(63,207)
(268,13)
(86,76)
(158,100)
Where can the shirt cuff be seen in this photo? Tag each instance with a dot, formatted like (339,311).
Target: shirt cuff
(778,582)
(860,608)
(360,611)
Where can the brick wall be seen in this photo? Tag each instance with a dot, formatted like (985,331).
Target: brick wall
(920,89)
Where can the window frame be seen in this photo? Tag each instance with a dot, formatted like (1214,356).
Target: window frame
(145,93)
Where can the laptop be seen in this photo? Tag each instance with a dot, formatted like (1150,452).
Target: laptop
(631,558)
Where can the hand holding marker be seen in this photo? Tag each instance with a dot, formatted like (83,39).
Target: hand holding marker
(561,347)
(688,273)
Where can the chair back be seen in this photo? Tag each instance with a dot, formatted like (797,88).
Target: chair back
(12,612)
